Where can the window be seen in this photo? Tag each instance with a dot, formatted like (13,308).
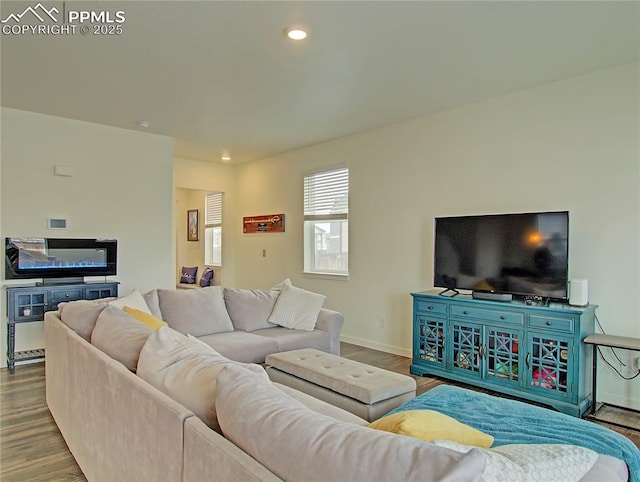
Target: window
(326,222)
(213,229)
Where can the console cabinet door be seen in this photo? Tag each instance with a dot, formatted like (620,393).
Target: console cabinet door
(431,340)
(465,343)
(97,292)
(549,367)
(27,305)
(502,355)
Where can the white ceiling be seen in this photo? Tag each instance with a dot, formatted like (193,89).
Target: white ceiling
(222,76)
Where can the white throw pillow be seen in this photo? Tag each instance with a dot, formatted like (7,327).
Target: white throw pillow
(296,308)
(132,300)
(185,369)
(532,462)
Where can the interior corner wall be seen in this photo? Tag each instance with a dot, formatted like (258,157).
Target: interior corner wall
(121,188)
(569,145)
(189,253)
(195,178)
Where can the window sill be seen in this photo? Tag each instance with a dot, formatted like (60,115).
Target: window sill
(331,276)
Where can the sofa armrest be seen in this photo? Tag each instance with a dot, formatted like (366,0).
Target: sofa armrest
(331,322)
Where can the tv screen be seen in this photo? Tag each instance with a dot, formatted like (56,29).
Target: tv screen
(28,258)
(520,254)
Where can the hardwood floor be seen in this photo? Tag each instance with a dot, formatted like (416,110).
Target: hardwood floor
(32,449)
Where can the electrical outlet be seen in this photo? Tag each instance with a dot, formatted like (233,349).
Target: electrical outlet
(380,322)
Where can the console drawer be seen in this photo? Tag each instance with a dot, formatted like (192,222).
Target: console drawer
(427,306)
(551,323)
(58,296)
(460,311)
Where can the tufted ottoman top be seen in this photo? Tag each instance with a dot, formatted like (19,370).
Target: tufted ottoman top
(353,379)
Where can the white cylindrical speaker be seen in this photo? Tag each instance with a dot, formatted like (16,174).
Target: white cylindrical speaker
(579,292)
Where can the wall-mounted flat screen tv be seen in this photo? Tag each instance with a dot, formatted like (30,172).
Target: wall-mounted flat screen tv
(520,254)
(28,258)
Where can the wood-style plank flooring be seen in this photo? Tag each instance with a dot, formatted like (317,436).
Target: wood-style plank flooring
(31,446)
(32,449)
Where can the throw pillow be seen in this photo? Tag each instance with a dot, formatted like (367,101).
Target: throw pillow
(133,300)
(188,275)
(185,369)
(145,318)
(120,336)
(533,461)
(198,312)
(249,310)
(207,277)
(276,430)
(152,301)
(81,316)
(430,425)
(296,308)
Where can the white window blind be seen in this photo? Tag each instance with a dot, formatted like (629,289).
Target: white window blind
(213,209)
(213,229)
(326,194)
(326,222)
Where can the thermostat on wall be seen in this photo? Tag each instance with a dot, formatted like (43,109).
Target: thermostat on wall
(57,223)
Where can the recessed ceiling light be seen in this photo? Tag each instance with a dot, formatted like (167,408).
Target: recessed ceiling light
(143,123)
(295,33)
(226,157)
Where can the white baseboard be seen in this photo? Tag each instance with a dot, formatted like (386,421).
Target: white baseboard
(616,399)
(396,350)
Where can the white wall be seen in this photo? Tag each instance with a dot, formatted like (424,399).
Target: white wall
(192,179)
(121,188)
(567,145)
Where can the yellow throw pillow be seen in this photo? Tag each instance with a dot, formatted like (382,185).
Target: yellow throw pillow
(430,425)
(149,320)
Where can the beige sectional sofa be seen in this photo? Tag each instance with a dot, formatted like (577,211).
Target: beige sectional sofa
(120,427)
(235,322)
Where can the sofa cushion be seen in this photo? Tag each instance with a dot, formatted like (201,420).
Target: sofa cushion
(188,275)
(186,370)
(151,298)
(277,430)
(249,310)
(296,308)
(320,406)
(430,425)
(198,312)
(145,318)
(81,316)
(288,339)
(133,300)
(241,346)
(120,336)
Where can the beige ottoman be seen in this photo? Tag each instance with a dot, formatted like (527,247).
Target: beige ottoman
(361,389)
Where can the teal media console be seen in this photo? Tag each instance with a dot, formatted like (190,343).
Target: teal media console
(524,350)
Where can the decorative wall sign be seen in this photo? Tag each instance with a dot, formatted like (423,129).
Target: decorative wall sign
(192,225)
(268,223)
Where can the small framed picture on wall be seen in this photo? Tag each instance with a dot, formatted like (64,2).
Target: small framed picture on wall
(192,225)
